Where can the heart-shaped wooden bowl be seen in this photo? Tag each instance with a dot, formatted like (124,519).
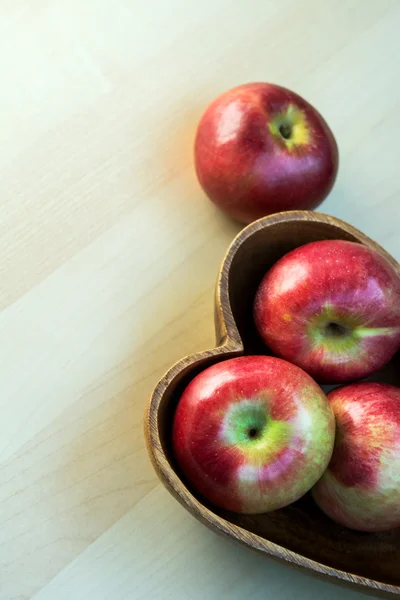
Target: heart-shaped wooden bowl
(300,534)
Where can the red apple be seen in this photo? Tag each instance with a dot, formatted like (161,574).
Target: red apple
(253,434)
(332,308)
(361,488)
(261,149)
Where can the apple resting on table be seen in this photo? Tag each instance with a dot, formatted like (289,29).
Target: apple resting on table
(253,434)
(261,149)
(361,487)
(331,307)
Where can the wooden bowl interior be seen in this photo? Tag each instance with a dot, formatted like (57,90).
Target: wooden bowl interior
(301,527)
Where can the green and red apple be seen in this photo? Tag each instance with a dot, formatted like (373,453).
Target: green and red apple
(361,487)
(331,307)
(253,434)
(260,149)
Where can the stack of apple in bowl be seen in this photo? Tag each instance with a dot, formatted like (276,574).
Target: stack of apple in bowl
(253,434)
(295,415)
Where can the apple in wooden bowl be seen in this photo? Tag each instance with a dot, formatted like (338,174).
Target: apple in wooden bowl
(299,533)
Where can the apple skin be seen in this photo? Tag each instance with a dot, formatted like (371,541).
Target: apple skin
(248,167)
(361,487)
(331,307)
(253,434)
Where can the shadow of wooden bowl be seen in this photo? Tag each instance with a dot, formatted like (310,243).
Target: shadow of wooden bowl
(300,533)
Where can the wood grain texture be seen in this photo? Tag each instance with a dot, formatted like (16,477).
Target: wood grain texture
(300,533)
(109,253)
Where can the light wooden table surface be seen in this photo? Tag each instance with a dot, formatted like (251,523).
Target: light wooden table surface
(108,257)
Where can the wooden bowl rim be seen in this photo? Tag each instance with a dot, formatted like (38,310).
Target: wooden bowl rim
(230,343)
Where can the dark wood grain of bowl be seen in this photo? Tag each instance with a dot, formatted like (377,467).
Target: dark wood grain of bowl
(300,534)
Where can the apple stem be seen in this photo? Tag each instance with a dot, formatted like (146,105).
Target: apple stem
(253,433)
(285,131)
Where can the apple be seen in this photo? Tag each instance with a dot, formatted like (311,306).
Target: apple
(253,434)
(361,487)
(331,307)
(260,149)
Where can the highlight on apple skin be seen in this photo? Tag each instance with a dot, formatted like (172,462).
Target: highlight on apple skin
(261,149)
(331,307)
(253,434)
(361,487)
